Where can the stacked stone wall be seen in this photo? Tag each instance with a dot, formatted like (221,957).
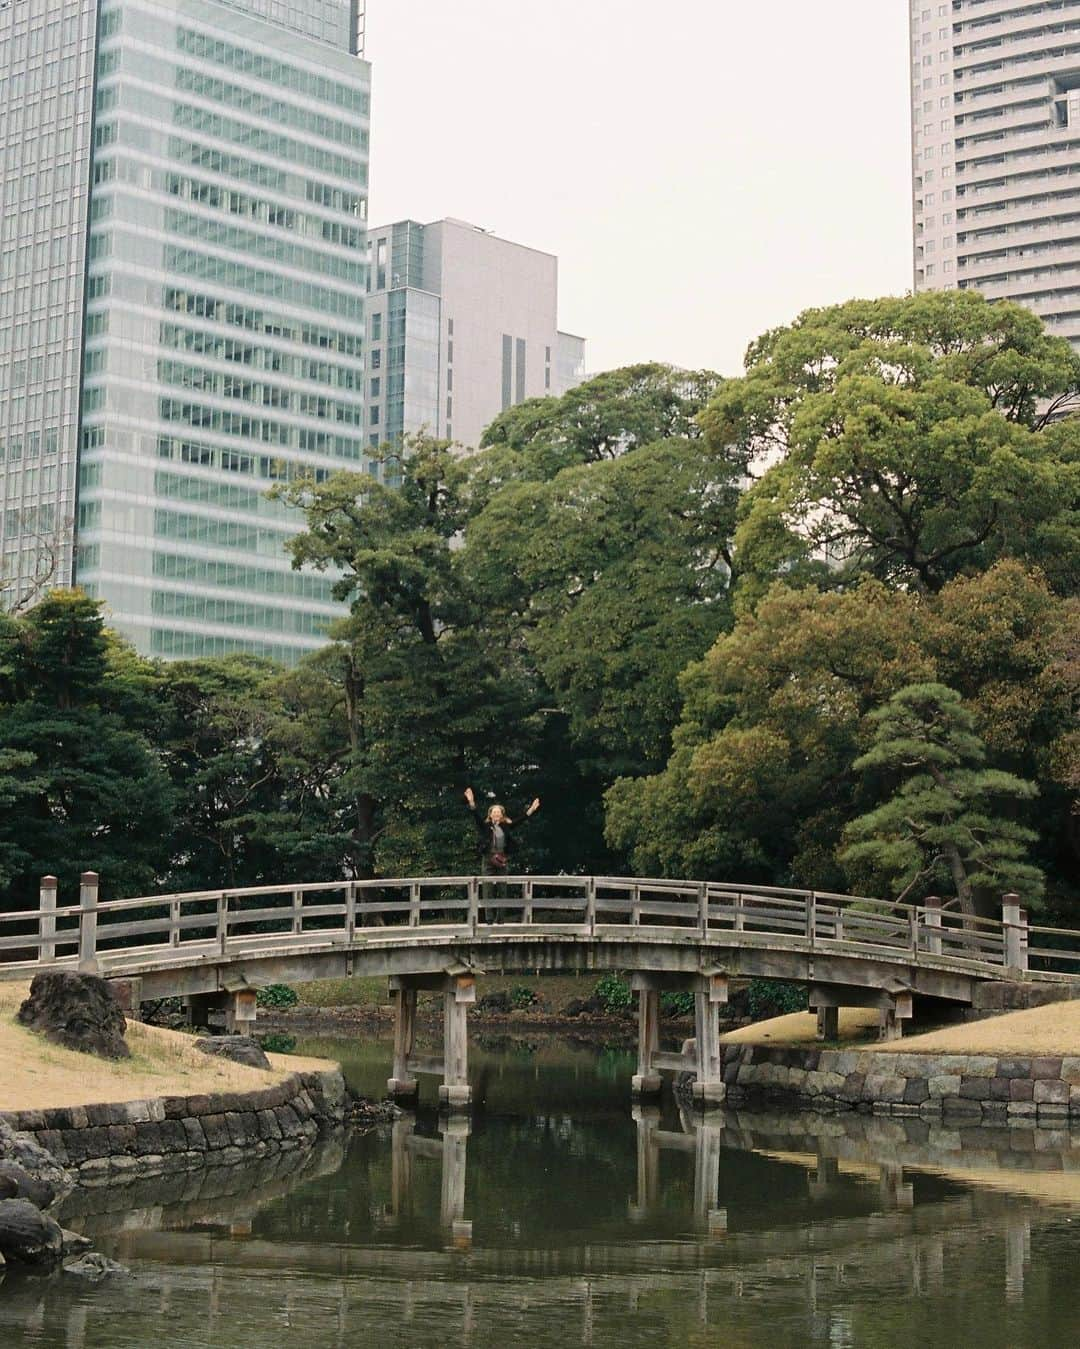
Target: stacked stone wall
(996,1089)
(100,1143)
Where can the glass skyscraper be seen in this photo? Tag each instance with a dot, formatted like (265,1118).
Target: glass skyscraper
(184,210)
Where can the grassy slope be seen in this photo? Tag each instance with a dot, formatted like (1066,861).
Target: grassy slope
(38,1075)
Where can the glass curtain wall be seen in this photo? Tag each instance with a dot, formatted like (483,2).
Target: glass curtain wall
(227,265)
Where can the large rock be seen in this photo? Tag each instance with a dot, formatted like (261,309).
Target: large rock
(236,1048)
(25,1154)
(18,1183)
(28,1236)
(77,1011)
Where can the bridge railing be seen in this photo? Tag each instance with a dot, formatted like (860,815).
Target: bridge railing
(208,923)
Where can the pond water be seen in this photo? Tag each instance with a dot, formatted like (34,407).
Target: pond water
(558,1216)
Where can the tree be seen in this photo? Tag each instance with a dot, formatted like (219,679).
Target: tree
(93,795)
(945,822)
(425,705)
(907,438)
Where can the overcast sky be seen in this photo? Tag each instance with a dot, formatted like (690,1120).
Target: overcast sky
(703,169)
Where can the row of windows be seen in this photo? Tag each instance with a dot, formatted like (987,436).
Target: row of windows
(265,212)
(252,280)
(216,533)
(230,166)
(198,646)
(255,391)
(272,71)
(269,143)
(212,345)
(272,109)
(242,613)
(226,495)
(256,320)
(271,467)
(34,445)
(252,428)
(30,521)
(260,246)
(263,580)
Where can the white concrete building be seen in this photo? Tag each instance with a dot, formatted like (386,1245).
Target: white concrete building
(460,326)
(995,97)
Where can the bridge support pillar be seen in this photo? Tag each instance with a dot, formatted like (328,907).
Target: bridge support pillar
(828,1023)
(646,1081)
(401,1085)
(241,1009)
(709,1089)
(893,1017)
(455,1091)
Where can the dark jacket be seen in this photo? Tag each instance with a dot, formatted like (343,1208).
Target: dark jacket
(485,832)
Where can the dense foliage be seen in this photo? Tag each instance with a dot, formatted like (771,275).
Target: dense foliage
(817,625)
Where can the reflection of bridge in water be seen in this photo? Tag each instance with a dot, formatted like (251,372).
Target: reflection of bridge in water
(336,1291)
(441,934)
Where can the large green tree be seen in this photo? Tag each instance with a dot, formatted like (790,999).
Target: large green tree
(92,792)
(916,439)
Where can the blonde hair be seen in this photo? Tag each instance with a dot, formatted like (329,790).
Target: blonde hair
(491,810)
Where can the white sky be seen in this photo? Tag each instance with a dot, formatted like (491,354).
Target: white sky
(704,169)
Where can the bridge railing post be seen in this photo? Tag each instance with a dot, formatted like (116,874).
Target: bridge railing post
(811,917)
(635,905)
(47,920)
(297,911)
(222,920)
(1015,932)
(474,903)
(174,922)
(739,911)
(350,912)
(590,904)
(703,910)
(931,916)
(527,905)
(414,904)
(88,907)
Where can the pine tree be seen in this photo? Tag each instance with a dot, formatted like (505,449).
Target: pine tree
(947,822)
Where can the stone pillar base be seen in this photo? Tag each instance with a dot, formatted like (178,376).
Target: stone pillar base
(708,1093)
(456,1098)
(645,1084)
(402,1088)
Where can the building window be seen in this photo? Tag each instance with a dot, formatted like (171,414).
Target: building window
(375,383)
(507,370)
(376,360)
(376,327)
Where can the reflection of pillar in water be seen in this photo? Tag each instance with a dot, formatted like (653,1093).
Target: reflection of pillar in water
(824,1178)
(647,1119)
(455,1131)
(707,1148)
(1017,1255)
(401,1163)
(587,1316)
(468,1317)
(894,1193)
(934,1264)
(76,1327)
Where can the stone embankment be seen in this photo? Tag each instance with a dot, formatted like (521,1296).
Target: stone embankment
(990,1088)
(101,1143)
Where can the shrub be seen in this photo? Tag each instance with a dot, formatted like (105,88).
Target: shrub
(521,996)
(614,993)
(677,1004)
(770,997)
(278,1042)
(277,995)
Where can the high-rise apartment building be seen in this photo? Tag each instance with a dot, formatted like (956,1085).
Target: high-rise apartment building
(995,95)
(183,267)
(460,326)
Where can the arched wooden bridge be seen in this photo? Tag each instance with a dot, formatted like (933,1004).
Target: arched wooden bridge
(443,932)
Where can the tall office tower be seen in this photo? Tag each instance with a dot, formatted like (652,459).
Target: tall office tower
(460,326)
(995,90)
(183,191)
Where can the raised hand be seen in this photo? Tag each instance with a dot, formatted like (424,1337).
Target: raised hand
(470,798)
(534,807)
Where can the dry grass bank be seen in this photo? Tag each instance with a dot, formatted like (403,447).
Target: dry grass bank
(800,1028)
(1051,1030)
(38,1075)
